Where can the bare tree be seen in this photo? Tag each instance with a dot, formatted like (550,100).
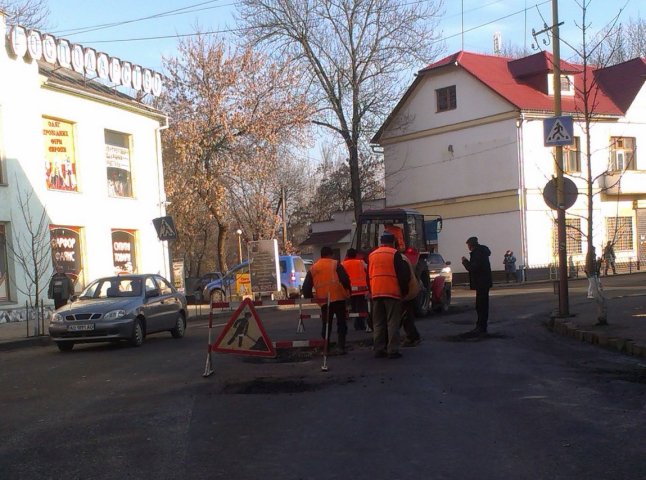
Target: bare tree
(355,52)
(230,110)
(588,91)
(624,42)
(29,13)
(31,250)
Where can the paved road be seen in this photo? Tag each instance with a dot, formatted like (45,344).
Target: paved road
(521,404)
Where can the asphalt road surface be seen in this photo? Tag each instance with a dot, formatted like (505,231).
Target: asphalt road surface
(522,404)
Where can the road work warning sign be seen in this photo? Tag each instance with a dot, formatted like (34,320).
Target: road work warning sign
(244,334)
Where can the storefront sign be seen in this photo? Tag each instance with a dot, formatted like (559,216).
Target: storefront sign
(124,256)
(85,61)
(66,250)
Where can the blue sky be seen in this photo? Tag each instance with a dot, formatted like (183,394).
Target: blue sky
(479,18)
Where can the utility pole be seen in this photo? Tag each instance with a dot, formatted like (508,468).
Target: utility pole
(564,308)
(284,212)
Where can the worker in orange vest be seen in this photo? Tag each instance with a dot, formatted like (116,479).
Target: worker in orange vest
(330,281)
(389,275)
(358,273)
(400,245)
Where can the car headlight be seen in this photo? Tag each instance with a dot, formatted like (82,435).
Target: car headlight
(57,318)
(114,314)
(446,270)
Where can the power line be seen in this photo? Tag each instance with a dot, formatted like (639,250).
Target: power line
(215,32)
(179,11)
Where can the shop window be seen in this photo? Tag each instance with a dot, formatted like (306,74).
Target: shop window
(60,158)
(4,271)
(622,154)
(117,157)
(619,231)
(446,98)
(124,252)
(66,251)
(573,235)
(572,156)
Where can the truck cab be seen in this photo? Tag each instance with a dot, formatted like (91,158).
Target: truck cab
(410,239)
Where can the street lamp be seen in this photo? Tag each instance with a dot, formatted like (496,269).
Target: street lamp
(239,232)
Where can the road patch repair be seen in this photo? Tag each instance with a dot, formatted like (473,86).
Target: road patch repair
(245,335)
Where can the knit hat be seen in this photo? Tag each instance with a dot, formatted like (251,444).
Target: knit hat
(472,241)
(387,238)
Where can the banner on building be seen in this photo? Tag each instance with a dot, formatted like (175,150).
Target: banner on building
(60,160)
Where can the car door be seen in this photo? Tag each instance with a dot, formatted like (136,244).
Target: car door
(153,306)
(170,304)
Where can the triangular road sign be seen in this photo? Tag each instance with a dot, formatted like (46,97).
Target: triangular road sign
(244,334)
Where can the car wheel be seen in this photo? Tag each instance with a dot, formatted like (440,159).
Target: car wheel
(137,334)
(180,326)
(65,346)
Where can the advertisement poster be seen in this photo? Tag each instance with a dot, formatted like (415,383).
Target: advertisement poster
(66,251)
(117,159)
(4,290)
(124,254)
(118,162)
(264,267)
(178,276)
(60,162)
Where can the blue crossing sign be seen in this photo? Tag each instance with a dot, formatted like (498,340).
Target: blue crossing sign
(558,131)
(165,228)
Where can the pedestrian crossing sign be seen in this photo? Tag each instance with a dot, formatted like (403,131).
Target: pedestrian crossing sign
(558,131)
(165,228)
(244,334)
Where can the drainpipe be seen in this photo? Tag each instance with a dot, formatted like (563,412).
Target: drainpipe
(522,190)
(161,196)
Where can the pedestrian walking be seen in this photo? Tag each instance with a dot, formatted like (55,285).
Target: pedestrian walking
(609,258)
(357,270)
(388,275)
(509,261)
(328,277)
(60,288)
(480,280)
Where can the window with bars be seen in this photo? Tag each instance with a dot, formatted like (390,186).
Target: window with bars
(622,154)
(572,156)
(619,231)
(573,235)
(446,98)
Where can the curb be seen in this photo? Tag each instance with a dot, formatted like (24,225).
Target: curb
(567,328)
(41,341)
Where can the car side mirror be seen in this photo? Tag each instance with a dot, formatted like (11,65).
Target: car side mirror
(74,298)
(448,262)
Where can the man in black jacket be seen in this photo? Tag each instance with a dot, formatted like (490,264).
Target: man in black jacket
(480,280)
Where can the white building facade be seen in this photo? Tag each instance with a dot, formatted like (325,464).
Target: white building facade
(81,155)
(466,142)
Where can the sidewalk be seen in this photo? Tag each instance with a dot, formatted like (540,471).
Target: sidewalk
(625,301)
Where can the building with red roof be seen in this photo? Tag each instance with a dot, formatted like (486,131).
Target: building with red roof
(467,142)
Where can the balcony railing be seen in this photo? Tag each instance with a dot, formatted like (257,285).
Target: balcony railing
(627,182)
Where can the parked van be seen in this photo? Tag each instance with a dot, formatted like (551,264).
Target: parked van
(292,276)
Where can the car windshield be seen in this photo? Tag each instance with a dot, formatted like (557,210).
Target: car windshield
(112,288)
(435,258)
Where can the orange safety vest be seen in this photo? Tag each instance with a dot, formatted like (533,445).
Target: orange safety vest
(326,280)
(357,272)
(381,269)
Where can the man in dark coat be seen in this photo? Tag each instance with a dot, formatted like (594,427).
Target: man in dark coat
(480,280)
(60,288)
